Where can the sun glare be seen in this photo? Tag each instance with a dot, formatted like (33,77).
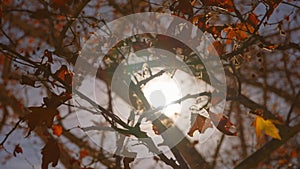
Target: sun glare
(161,91)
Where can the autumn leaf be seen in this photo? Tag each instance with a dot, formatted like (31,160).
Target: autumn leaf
(253,19)
(17,150)
(216,48)
(238,32)
(266,126)
(272,6)
(57,130)
(25,80)
(223,124)
(56,100)
(61,4)
(40,116)
(155,129)
(83,153)
(201,123)
(48,54)
(226,4)
(64,74)
(50,154)
(185,7)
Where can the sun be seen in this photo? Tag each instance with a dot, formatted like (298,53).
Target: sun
(161,91)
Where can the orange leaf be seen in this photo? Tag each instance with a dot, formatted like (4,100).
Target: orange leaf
(294,154)
(57,130)
(83,153)
(64,74)
(253,19)
(201,123)
(216,48)
(239,32)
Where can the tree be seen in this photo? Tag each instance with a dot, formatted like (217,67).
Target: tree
(42,43)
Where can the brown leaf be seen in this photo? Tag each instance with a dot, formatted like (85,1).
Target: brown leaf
(17,150)
(185,7)
(64,74)
(155,129)
(40,116)
(130,156)
(226,4)
(56,100)
(25,80)
(48,54)
(223,124)
(201,123)
(50,154)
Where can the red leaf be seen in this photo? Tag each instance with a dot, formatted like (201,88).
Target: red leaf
(50,154)
(64,74)
(57,130)
(201,123)
(17,150)
(83,153)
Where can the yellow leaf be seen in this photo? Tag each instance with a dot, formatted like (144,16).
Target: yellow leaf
(267,126)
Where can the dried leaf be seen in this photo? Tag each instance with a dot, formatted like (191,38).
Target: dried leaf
(155,129)
(48,54)
(266,126)
(50,154)
(223,124)
(226,4)
(83,153)
(17,150)
(25,80)
(57,130)
(64,74)
(56,100)
(185,7)
(216,48)
(253,19)
(201,123)
(39,116)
